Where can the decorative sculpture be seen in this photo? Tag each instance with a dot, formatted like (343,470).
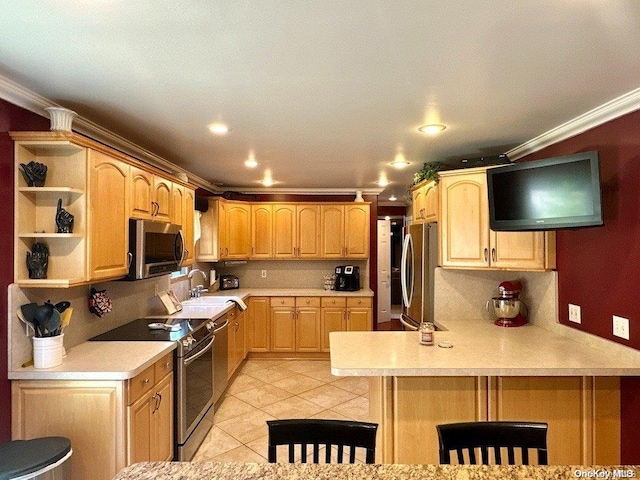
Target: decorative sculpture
(34,173)
(64,220)
(38,260)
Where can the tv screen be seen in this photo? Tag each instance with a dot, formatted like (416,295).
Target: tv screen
(559,192)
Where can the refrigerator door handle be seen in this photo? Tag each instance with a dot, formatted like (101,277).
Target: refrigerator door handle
(405,322)
(406,262)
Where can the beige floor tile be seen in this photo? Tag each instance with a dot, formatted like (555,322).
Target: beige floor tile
(230,407)
(244,382)
(215,443)
(248,427)
(328,396)
(355,409)
(254,365)
(329,415)
(240,454)
(302,366)
(294,407)
(263,395)
(297,383)
(321,373)
(357,385)
(260,445)
(271,374)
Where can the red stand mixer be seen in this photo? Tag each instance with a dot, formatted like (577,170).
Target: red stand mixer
(508,308)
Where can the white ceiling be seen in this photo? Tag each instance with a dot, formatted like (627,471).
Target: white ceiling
(324,92)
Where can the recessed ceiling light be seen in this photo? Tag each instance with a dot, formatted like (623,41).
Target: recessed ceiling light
(219,128)
(392,198)
(383,182)
(399,161)
(251,161)
(432,128)
(267,180)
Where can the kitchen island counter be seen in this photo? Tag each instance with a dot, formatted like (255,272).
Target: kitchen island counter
(245,293)
(298,471)
(478,348)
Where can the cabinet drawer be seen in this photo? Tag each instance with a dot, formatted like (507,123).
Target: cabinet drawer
(164,366)
(307,301)
(283,301)
(141,384)
(334,301)
(364,302)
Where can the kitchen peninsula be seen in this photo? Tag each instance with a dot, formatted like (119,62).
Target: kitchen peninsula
(489,373)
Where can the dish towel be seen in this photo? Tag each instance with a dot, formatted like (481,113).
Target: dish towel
(197,232)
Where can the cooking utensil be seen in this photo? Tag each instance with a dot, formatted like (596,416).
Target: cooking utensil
(53,324)
(62,306)
(65,318)
(24,320)
(29,311)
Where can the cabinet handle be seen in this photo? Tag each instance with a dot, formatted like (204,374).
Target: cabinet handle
(237,326)
(145,381)
(167,365)
(493,254)
(226,251)
(486,254)
(129,259)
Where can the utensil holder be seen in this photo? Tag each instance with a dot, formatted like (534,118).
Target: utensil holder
(48,351)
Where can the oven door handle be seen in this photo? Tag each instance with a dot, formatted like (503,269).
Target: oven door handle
(196,356)
(222,327)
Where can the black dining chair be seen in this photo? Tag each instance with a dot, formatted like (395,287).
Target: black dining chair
(487,436)
(319,432)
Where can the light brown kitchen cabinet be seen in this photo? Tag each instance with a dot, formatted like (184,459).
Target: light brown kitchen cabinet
(283,324)
(425,202)
(36,207)
(345,231)
(284,231)
(235,220)
(359,314)
(333,318)
(583,413)
(307,324)
(188,225)
(308,231)
(237,350)
(151,196)
(261,231)
(109,226)
(466,240)
(97,416)
(162,189)
(259,325)
(177,204)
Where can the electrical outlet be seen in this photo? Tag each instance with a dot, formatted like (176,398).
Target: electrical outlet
(621,327)
(575,315)
(264,274)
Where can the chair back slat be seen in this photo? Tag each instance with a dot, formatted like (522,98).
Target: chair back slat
(319,432)
(493,435)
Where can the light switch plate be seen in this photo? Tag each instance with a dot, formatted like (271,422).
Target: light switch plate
(575,315)
(621,327)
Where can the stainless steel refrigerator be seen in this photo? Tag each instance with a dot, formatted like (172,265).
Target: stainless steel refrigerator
(419,259)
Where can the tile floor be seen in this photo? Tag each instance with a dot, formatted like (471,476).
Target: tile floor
(276,389)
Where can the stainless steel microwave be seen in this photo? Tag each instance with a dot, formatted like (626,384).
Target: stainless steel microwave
(155,249)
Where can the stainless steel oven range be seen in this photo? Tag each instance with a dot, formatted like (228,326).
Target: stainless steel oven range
(197,366)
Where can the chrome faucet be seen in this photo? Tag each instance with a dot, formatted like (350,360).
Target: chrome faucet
(195,292)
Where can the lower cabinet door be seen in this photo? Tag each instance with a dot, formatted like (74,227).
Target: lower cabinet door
(161,441)
(283,328)
(333,319)
(308,329)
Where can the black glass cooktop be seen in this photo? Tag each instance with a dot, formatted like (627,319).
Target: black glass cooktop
(139,331)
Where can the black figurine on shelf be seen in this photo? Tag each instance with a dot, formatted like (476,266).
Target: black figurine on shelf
(38,260)
(64,220)
(34,173)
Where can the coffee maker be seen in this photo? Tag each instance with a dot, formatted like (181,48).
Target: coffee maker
(347,278)
(509,309)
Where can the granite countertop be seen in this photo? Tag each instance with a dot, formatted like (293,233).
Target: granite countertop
(277,471)
(478,348)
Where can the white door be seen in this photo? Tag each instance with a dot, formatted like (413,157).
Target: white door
(384,271)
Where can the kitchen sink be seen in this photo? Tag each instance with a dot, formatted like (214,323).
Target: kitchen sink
(207,300)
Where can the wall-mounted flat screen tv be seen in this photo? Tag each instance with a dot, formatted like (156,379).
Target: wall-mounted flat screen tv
(548,194)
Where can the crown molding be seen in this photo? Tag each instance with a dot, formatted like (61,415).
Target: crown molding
(305,191)
(627,103)
(18,95)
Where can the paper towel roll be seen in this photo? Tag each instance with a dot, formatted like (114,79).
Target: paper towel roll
(212,277)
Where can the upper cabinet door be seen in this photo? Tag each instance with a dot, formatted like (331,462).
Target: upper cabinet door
(162,199)
(431,204)
(188,225)
(284,231)
(141,193)
(357,230)
(238,231)
(332,231)
(261,231)
(177,204)
(308,231)
(417,200)
(109,212)
(522,250)
(464,223)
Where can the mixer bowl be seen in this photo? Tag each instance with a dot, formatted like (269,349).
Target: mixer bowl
(505,307)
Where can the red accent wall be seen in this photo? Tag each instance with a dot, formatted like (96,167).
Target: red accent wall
(11,118)
(599,267)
